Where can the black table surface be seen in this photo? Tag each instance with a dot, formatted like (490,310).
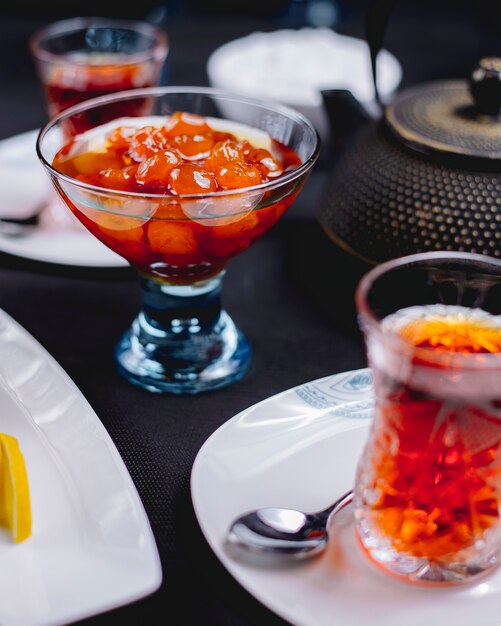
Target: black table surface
(291,293)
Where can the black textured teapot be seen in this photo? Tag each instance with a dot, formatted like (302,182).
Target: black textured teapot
(427,175)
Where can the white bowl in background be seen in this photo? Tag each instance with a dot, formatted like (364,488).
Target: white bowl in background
(293,66)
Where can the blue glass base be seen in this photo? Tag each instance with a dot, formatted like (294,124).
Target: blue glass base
(182,341)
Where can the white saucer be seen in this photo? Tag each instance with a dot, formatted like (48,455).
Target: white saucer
(299,449)
(92,548)
(24,186)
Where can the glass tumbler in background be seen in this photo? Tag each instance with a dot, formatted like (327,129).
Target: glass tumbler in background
(428,484)
(86,57)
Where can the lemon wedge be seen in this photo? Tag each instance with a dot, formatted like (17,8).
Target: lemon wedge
(15,506)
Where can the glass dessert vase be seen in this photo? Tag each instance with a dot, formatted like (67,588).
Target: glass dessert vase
(182,341)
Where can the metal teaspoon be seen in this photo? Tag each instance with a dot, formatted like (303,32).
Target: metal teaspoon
(285,531)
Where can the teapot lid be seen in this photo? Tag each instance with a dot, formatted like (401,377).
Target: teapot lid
(452,116)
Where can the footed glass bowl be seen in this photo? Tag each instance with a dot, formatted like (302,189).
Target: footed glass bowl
(182,341)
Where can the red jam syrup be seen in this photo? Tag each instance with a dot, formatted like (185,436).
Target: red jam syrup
(436,486)
(170,237)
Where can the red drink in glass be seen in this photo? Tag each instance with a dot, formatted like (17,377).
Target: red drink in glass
(71,84)
(84,58)
(428,486)
(436,451)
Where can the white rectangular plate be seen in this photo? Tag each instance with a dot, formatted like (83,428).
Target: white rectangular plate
(92,548)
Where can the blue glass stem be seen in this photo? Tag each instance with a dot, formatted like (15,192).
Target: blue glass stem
(183,341)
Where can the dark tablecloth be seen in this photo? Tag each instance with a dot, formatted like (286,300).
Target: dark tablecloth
(291,293)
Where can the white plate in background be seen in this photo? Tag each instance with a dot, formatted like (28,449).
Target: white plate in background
(24,187)
(92,548)
(291,66)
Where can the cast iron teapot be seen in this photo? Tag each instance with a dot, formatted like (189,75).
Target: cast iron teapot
(427,175)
